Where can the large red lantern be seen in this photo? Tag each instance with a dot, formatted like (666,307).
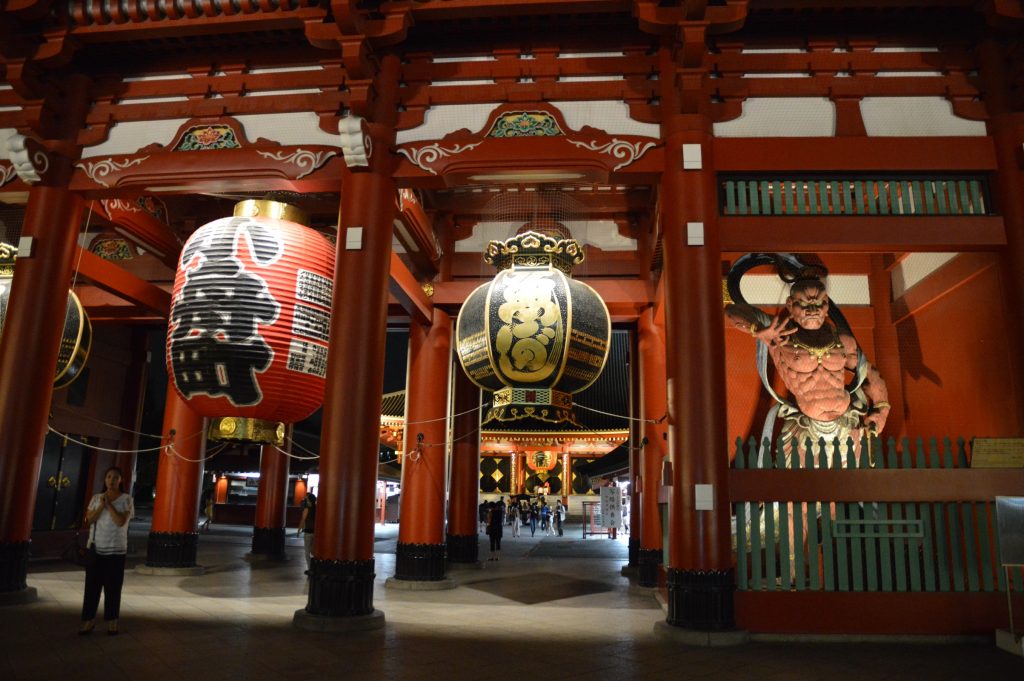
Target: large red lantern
(249,322)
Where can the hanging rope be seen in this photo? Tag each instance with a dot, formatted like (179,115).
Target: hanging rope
(295,456)
(102,449)
(172,451)
(85,240)
(485,405)
(621,416)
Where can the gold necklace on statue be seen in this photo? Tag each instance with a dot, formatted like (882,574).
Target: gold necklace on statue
(819,352)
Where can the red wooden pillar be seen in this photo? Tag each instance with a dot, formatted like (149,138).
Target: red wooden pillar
(1006,127)
(342,569)
(463,545)
(173,538)
(636,435)
(28,355)
(652,408)
(268,530)
(131,406)
(420,555)
(887,345)
(700,570)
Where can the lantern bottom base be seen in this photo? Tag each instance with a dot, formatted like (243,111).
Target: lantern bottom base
(242,429)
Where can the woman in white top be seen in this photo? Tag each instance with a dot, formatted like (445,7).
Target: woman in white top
(108,514)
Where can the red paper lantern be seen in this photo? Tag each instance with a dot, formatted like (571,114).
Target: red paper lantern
(249,322)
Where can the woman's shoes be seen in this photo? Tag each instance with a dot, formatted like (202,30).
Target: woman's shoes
(112,628)
(86,628)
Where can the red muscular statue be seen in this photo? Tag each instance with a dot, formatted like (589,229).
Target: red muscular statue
(812,357)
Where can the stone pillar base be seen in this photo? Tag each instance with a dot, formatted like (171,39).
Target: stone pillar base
(701,599)
(13,566)
(171,550)
(463,549)
(410,585)
(420,562)
(340,588)
(268,541)
(338,625)
(648,561)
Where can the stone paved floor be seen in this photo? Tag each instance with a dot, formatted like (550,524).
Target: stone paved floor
(551,608)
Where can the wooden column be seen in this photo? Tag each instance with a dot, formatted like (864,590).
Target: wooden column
(652,408)
(636,435)
(1006,127)
(420,555)
(700,571)
(463,546)
(28,354)
(173,538)
(342,569)
(268,530)
(886,355)
(131,406)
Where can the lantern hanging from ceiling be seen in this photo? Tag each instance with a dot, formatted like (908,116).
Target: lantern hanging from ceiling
(76,338)
(249,321)
(533,335)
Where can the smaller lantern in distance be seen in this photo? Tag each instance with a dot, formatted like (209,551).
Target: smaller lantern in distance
(249,321)
(533,335)
(75,339)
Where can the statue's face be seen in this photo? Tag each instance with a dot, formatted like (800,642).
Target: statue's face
(808,308)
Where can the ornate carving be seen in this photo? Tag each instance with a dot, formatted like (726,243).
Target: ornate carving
(207,138)
(620,149)
(356,143)
(305,160)
(29,158)
(7,173)
(525,124)
(425,156)
(95,170)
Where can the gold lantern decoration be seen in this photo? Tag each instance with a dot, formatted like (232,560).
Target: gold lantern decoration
(533,335)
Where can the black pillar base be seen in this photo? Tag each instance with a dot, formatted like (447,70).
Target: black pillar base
(340,588)
(13,565)
(172,549)
(420,562)
(268,541)
(648,561)
(463,548)
(701,599)
(634,549)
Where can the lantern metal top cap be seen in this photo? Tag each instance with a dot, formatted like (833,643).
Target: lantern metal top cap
(533,249)
(266,208)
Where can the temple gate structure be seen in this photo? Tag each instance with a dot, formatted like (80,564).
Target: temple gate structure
(881,141)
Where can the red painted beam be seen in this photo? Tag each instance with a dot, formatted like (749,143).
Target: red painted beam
(408,292)
(113,279)
(951,276)
(415,231)
(879,234)
(795,612)
(854,154)
(896,485)
(625,298)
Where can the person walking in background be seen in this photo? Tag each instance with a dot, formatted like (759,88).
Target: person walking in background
(559,516)
(514,514)
(307,523)
(208,511)
(495,528)
(533,519)
(107,515)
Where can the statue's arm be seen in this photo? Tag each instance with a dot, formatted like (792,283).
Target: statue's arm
(874,389)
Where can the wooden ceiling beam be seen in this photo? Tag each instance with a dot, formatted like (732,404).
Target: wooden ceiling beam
(407,290)
(110,278)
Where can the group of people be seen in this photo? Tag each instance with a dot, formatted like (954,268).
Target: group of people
(494,515)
